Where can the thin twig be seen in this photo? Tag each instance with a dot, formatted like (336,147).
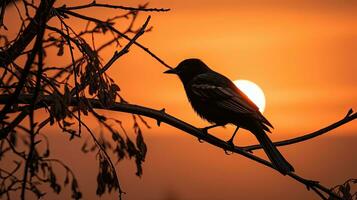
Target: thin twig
(9,55)
(76,84)
(107,157)
(94,4)
(116,31)
(349,117)
(117,54)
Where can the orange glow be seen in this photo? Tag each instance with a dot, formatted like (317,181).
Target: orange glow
(301,52)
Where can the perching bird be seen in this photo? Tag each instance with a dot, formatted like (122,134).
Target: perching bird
(215,98)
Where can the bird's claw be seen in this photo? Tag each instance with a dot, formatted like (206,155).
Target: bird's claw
(204,130)
(230,143)
(227,152)
(249,151)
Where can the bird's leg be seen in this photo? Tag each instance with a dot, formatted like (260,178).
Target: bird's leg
(230,141)
(205,129)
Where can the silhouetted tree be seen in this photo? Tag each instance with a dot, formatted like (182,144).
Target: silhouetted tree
(67,93)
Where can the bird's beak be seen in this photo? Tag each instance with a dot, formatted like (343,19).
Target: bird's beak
(171,71)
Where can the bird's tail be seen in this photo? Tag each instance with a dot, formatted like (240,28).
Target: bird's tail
(273,153)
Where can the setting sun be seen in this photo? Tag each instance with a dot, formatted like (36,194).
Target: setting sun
(253,91)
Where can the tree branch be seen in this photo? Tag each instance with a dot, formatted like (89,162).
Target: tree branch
(117,54)
(349,117)
(9,55)
(39,51)
(162,116)
(74,14)
(94,4)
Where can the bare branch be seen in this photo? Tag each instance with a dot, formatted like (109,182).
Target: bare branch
(106,156)
(117,54)
(9,55)
(162,116)
(39,51)
(116,31)
(349,117)
(94,4)
(3,5)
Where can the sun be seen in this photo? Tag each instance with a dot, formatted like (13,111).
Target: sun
(253,91)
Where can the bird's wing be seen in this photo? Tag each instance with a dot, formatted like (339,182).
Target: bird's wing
(219,90)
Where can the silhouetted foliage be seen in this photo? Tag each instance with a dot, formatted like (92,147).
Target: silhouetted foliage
(67,93)
(345,190)
(49,25)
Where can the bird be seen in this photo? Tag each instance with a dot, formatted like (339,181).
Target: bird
(215,98)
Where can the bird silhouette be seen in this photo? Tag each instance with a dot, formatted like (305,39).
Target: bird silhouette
(216,98)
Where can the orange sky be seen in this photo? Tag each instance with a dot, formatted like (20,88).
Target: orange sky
(301,53)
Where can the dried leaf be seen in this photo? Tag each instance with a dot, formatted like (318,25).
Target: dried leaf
(60,51)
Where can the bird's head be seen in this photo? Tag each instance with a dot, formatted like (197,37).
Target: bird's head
(188,69)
